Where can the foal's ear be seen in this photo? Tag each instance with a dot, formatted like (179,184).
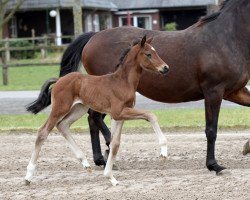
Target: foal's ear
(143,41)
(149,40)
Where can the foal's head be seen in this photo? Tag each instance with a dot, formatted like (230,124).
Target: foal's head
(148,59)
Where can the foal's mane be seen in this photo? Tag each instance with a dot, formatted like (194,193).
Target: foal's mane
(125,53)
(213,16)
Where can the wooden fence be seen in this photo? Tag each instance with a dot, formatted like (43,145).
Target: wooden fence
(42,44)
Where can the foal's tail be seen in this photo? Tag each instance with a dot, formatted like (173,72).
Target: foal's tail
(44,98)
(72,56)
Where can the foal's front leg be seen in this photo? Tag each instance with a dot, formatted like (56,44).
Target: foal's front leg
(114,146)
(130,113)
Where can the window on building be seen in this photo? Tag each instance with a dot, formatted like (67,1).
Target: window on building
(137,21)
(144,22)
(105,21)
(96,23)
(89,23)
(13,27)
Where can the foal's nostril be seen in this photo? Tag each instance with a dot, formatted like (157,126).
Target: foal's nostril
(166,69)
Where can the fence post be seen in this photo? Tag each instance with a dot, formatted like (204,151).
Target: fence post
(7,51)
(5,69)
(44,50)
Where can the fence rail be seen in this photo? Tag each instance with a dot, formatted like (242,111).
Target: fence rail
(44,44)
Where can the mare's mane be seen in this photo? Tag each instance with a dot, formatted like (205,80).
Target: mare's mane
(213,16)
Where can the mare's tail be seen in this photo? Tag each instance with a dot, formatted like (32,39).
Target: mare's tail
(44,98)
(72,56)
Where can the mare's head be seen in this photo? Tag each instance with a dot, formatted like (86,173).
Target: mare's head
(148,59)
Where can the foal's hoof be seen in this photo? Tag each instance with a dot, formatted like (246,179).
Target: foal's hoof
(88,169)
(246,148)
(27,183)
(163,157)
(113,181)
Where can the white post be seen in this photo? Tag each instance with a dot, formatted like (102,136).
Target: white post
(135,20)
(58,28)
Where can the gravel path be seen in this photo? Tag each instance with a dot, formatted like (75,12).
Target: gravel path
(142,175)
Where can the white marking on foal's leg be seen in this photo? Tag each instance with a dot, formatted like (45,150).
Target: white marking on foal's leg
(161,137)
(108,168)
(114,146)
(30,172)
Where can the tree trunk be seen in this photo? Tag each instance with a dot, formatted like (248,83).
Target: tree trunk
(77,13)
(1,33)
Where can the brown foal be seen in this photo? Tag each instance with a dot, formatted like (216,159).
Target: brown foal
(114,94)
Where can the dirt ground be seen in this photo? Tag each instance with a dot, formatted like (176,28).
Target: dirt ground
(141,174)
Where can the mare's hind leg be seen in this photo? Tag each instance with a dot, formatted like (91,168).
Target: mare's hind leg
(76,112)
(241,97)
(42,135)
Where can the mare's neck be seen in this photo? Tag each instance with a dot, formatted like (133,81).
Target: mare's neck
(130,71)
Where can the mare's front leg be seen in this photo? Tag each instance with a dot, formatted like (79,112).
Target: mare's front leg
(241,97)
(95,141)
(96,123)
(213,99)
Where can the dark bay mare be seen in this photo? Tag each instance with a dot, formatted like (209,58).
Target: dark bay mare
(74,94)
(209,60)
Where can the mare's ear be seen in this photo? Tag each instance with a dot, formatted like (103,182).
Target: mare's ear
(143,41)
(149,40)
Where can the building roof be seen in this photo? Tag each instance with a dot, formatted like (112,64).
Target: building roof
(40,4)
(113,5)
(148,4)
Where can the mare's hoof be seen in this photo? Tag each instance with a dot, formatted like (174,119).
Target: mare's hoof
(100,161)
(27,183)
(246,148)
(215,167)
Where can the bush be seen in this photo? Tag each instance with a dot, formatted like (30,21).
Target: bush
(172,26)
(25,54)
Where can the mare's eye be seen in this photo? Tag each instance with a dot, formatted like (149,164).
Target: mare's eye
(149,55)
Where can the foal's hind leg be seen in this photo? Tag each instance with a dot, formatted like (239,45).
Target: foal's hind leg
(43,133)
(77,111)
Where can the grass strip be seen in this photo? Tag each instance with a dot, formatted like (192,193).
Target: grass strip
(169,120)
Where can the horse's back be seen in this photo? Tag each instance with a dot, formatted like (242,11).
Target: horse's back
(101,54)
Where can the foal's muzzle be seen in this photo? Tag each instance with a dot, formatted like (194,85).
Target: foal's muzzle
(164,70)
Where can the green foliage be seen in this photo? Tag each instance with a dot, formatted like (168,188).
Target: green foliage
(172,26)
(24,54)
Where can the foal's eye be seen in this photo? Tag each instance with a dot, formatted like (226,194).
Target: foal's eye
(149,55)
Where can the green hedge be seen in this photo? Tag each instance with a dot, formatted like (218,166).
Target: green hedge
(25,54)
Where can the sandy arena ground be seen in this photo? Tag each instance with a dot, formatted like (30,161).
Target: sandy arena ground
(142,175)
